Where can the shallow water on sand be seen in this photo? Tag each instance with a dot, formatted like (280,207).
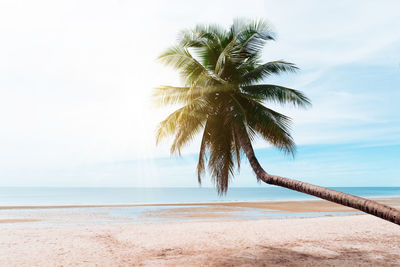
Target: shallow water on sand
(44,217)
(21,196)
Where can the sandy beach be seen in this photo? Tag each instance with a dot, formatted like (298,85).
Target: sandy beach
(340,241)
(69,237)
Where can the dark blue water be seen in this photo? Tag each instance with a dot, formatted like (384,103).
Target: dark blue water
(10,196)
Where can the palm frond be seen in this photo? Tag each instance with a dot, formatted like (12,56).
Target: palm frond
(261,72)
(220,162)
(203,150)
(171,95)
(227,60)
(187,130)
(208,42)
(236,148)
(269,124)
(184,123)
(276,93)
(252,35)
(190,69)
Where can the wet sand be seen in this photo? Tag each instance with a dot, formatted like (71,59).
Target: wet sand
(290,206)
(17,220)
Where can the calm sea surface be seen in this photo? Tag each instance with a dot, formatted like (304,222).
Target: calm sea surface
(10,196)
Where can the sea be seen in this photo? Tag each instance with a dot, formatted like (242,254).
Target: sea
(43,196)
(107,211)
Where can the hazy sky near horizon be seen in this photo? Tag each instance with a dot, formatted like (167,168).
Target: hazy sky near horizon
(76,79)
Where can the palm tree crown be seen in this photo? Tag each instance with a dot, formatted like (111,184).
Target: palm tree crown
(223,95)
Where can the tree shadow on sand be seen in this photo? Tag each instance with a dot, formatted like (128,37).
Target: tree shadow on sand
(272,256)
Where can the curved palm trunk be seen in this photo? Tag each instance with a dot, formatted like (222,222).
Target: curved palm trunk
(365,205)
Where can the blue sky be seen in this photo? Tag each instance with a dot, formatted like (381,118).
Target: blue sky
(76,76)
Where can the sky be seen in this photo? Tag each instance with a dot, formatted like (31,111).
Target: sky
(76,79)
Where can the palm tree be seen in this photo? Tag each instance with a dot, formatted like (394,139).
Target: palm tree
(223,97)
